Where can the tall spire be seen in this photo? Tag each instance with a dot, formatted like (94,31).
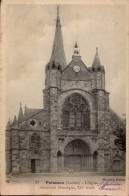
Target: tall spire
(58,54)
(20,115)
(96,62)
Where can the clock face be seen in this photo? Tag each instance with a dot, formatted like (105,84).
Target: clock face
(76,68)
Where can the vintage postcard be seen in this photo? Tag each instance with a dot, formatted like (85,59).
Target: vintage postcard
(63,97)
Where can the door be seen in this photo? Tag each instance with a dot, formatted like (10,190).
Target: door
(75,155)
(116,165)
(73,162)
(33,166)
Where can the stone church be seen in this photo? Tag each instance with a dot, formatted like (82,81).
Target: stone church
(75,129)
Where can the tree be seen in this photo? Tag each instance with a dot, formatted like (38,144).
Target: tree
(120,141)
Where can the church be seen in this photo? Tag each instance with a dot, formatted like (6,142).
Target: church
(74,132)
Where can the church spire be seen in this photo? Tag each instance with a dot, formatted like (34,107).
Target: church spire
(20,116)
(58,54)
(96,62)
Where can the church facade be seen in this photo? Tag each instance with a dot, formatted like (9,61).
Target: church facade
(75,129)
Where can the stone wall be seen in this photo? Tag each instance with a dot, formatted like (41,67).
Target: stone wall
(8,151)
(54,92)
(29,152)
(67,85)
(15,149)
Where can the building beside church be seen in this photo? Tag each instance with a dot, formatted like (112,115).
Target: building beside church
(75,129)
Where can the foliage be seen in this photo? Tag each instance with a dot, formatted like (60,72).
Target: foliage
(120,141)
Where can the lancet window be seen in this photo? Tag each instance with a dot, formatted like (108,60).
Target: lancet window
(35,141)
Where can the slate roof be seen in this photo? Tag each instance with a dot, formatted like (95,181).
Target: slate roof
(115,119)
(29,112)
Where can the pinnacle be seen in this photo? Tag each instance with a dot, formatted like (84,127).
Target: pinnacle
(15,122)
(20,115)
(8,124)
(96,62)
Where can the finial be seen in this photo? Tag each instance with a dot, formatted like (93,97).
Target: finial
(76,51)
(20,104)
(57,10)
(76,46)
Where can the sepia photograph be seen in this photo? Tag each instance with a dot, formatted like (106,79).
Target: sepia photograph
(64,95)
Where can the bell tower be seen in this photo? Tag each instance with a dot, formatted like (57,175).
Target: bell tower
(52,89)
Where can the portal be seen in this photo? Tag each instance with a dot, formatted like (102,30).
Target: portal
(77,156)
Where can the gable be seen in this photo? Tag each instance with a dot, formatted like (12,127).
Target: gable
(69,74)
(34,122)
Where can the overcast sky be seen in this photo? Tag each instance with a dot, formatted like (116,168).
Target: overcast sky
(29,37)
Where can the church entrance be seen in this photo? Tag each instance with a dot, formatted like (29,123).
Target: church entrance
(76,156)
(35,166)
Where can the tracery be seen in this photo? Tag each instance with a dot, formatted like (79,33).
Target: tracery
(76,113)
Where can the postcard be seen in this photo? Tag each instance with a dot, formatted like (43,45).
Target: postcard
(64,97)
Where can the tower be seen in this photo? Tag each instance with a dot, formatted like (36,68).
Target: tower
(52,88)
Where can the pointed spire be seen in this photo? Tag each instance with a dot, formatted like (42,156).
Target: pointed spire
(8,125)
(96,62)
(58,54)
(25,111)
(15,120)
(20,115)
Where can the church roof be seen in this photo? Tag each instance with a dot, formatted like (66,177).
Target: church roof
(29,112)
(115,119)
(58,54)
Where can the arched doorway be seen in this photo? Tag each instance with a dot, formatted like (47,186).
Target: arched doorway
(77,156)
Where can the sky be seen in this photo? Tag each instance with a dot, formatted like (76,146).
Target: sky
(29,38)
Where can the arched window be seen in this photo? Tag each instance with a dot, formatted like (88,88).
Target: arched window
(66,119)
(35,141)
(76,113)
